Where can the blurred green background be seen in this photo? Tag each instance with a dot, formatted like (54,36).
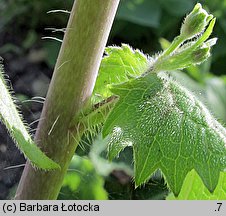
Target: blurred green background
(29,60)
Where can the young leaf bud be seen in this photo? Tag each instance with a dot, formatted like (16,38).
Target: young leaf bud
(203,52)
(186,56)
(195,22)
(200,55)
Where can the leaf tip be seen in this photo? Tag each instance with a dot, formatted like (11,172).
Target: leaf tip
(47,167)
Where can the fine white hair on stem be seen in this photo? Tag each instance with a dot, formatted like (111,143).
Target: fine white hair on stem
(81,145)
(38,97)
(56,30)
(83,142)
(33,130)
(13,167)
(77,132)
(71,134)
(59,11)
(31,100)
(54,123)
(53,38)
(63,64)
(35,121)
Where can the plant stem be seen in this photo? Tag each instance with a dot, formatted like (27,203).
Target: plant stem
(156,67)
(70,89)
(174,45)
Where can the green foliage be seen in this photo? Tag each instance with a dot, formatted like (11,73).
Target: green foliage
(88,171)
(12,120)
(145,35)
(82,181)
(195,22)
(194,189)
(141,23)
(166,125)
(169,129)
(101,163)
(123,64)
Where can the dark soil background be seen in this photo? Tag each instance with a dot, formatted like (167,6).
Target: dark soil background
(29,60)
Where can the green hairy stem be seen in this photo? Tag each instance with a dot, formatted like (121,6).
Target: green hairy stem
(70,89)
(13,121)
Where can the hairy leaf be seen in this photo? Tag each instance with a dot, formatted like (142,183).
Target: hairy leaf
(119,65)
(12,120)
(168,129)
